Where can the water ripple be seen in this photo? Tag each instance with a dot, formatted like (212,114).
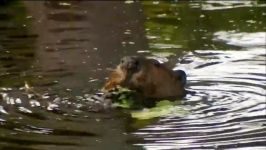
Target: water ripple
(228,109)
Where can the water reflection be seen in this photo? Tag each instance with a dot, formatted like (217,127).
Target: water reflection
(15,46)
(242,39)
(218,5)
(229,105)
(68,46)
(64,50)
(76,43)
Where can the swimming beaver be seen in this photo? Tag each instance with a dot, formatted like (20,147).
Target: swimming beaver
(148,77)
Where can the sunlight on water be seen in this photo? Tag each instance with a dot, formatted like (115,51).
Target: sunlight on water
(242,39)
(229,100)
(55,56)
(219,5)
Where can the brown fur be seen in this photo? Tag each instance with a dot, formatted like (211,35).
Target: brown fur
(151,79)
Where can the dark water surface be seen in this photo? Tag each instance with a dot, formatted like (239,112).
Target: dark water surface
(66,49)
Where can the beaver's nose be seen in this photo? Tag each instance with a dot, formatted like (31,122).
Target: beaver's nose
(182,76)
(129,62)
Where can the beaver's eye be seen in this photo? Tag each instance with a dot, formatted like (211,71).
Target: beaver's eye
(122,61)
(136,63)
(156,63)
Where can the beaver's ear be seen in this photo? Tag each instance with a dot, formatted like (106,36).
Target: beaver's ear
(182,76)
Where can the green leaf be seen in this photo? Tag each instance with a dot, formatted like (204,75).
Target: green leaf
(163,108)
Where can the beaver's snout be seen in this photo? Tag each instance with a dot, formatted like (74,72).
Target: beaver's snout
(130,63)
(182,76)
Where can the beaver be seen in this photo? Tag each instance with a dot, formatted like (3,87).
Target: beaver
(147,77)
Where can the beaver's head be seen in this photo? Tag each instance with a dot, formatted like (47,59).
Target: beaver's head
(147,76)
(130,63)
(135,63)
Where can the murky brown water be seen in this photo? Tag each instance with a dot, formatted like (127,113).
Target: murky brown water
(65,50)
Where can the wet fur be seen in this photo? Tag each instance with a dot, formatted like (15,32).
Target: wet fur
(147,77)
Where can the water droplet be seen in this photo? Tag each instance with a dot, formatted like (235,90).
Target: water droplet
(129,1)
(64,4)
(18,101)
(34,103)
(52,106)
(155,2)
(25,110)
(202,16)
(131,43)
(161,15)
(2,110)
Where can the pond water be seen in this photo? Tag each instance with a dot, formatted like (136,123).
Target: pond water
(65,50)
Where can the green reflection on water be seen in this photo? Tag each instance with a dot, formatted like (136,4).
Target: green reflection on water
(17,47)
(176,23)
(16,44)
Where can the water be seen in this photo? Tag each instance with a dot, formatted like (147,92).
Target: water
(64,50)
